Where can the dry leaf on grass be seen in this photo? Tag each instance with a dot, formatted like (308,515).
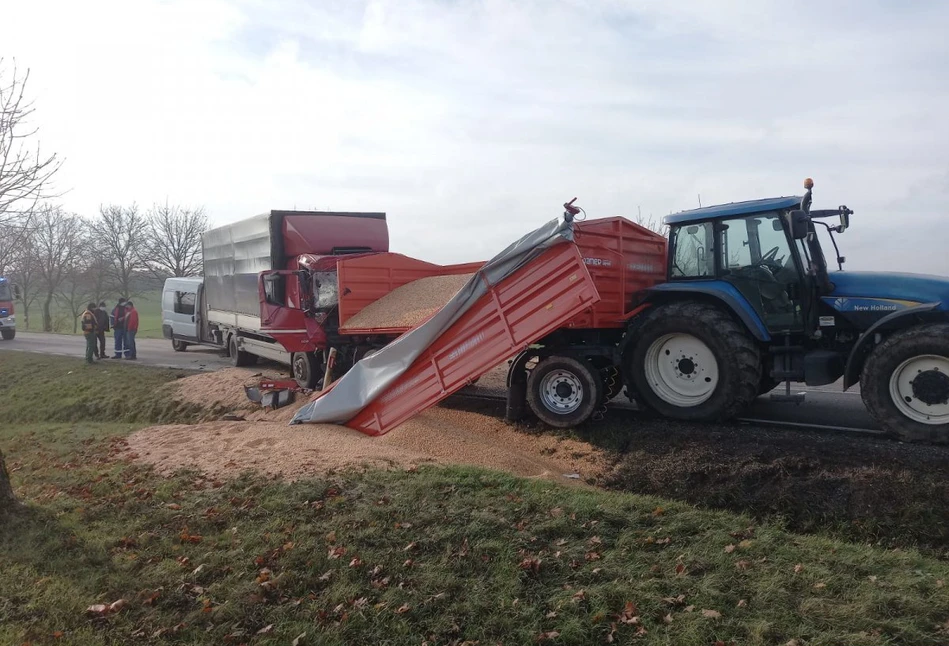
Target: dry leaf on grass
(297,639)
(729,549)
(711,614)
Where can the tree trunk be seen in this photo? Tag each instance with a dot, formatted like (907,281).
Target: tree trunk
(47,316)
(8,501)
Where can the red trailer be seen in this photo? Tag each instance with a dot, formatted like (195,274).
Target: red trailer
(579,295)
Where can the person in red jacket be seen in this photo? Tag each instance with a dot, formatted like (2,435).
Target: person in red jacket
(131,327)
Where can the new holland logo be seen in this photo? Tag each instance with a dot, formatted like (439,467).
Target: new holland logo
(841,303)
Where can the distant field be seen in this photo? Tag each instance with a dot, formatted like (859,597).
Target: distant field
(147,304)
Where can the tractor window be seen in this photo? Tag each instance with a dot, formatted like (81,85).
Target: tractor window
(756,258)
(693,255)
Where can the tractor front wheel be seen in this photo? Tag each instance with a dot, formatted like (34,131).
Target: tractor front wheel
(905,384)
(692,361)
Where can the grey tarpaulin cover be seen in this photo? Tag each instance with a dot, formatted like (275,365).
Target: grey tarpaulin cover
(370,377)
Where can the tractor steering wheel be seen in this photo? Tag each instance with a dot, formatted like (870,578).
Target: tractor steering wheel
(769,261)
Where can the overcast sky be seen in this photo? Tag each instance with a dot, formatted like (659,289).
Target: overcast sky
(471,122)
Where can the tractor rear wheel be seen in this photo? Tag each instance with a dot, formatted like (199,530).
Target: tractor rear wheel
(692,361)
(905,384)
(564,392)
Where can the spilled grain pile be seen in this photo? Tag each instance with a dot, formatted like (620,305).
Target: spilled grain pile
(265,442)
(409,305)
(221,390)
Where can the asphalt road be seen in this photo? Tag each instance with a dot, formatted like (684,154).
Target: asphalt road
(824,406)
(151,352)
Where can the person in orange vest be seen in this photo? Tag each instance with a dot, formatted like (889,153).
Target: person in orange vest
(131,327)
(89,328)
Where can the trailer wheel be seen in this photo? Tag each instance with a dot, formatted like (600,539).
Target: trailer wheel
(692,361)
(178,345)
(564,392)
(239,358)
(305,369)
(905,384)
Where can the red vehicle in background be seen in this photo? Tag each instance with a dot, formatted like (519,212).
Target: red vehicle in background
(8,293)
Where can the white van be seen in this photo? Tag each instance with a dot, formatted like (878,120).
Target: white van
(181,308)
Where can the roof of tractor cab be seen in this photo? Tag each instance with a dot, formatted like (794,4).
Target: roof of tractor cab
(732,208)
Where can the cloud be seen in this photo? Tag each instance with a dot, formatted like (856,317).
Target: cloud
(470,122)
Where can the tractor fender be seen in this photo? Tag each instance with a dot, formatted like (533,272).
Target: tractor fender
(924,313)
(717,291)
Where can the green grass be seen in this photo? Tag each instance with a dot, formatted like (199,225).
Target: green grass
(39,389)
(437,555)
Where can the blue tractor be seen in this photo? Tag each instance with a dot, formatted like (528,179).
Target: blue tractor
(750,303)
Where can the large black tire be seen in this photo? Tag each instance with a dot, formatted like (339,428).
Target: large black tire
(305,369)
(737,360)
(564,392)
(8,334)
(178,345)
(239,358)
(891,357)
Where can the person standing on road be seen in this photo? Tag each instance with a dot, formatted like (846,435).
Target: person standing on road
(88,323)
(131,327)
(102,326)
(118,328)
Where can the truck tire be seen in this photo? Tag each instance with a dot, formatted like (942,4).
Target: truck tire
(178,345)
(905,384)
(564,392)
(239,358)
(305,369)
(8,334)
(692,361)
(767,384)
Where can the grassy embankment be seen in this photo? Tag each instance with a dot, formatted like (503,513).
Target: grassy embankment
(437,555)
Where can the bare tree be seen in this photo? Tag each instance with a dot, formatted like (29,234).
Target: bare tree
(25,171)
(652,223)
(78,287)
(174,240)
(59,241)
(24,267)
(123,233)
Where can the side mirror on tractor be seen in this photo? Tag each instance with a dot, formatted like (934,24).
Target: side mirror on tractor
(798,223)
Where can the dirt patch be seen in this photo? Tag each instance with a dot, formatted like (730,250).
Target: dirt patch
(865,488)
(268,444)
(409,305)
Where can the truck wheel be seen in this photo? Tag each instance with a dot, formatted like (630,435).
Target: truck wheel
(8,334)
(178,345)
(239,358)
(305,369)
(693,362)
(564,392)
(905,384)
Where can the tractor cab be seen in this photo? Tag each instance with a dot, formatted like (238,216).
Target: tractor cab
(762,254)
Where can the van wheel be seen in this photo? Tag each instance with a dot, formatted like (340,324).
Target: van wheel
(178,345)
(239,358)
(305,369)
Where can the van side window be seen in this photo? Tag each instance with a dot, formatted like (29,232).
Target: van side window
(184,303)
